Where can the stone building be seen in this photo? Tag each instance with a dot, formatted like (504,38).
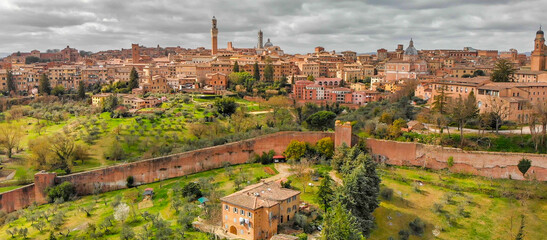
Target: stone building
(256,211)
(409,67)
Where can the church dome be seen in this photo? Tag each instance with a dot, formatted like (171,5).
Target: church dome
(411,50)
(539,31)
(268,44)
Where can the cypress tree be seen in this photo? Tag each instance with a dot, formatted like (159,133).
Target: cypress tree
(236,67)
(325,194)
(256,71)
(81,90)
(268,72)
(44,86)
(440,101)
(11,83)
(133,79)
(340,224)
(359,194)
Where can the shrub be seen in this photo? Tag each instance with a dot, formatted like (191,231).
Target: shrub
(301,221)
(115,152)
(64,191)
(386,193)
(295,150)
(286,184)
(192,191)
(438,208)
(325,146)
(462,212)
(417,226)
(524,165)
(130,181)
(403,234)
(450,161)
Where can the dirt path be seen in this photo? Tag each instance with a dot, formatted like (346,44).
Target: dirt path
(260,112)
(336,179)
(284,172)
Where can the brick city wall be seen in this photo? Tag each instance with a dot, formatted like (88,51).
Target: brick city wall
(156,169)
(488,164)
(17,198)
(176,165)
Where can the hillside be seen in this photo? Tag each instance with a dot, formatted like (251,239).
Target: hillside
(456,205)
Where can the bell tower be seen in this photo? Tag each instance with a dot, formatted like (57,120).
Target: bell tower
(135,53)
(260,40)
(214,35)
(538,55)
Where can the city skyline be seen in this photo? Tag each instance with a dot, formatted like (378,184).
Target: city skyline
(297,27)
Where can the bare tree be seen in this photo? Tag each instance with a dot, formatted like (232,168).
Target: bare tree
(463,110)
(538,119)
(63,146)
(499,111)
(10,137)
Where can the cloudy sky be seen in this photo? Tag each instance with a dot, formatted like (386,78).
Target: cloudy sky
(295,26)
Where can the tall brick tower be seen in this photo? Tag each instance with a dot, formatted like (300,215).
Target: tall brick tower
(214,35)
(260,40)
(342,133)
(539,55)
(135,53)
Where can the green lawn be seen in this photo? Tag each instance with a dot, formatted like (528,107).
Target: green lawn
(474,207)
(487,206)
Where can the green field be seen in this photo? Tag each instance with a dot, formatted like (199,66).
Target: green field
(459,206)
(472,207)
(76,220)
(162,131)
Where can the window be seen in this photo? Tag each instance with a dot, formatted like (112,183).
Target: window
(235,210)
(288,210)
(249,214)
(294,198)
(226,207)
(242,212)
(294,208)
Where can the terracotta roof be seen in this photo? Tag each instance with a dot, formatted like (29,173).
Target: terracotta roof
(476,81)
(505,85)
(260,195)
(342,89)
(328,79)
(300,82)
(530,72)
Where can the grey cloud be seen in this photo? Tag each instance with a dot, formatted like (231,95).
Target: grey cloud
(296,26)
